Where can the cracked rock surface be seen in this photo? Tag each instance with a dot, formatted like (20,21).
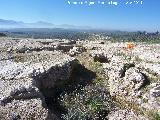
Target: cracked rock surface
(21,83)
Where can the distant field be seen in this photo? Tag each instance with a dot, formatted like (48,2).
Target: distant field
(75,34)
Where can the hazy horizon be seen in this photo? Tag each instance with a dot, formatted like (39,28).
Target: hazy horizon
(132,17)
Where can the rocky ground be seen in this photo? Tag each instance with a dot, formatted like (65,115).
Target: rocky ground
(78,80)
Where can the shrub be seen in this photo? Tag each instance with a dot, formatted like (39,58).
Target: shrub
(91,102)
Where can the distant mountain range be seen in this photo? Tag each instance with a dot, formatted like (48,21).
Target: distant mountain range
(39,24)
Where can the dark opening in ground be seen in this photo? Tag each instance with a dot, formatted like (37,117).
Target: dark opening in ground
(79,78)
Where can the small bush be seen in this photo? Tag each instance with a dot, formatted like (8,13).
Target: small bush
(89,103)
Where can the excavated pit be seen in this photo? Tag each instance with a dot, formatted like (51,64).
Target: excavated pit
(80,77)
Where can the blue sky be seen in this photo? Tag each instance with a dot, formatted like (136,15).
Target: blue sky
(144,16)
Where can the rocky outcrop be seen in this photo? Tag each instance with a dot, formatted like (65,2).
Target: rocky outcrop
(135,79)
(24,110)
(29,45)
(21,83)
(94,45)
(67,42)
(76,50)
(63,48)
(125,115)
(152,97)
(130,83)
(99,56)
(147,52)
(123,77)
(32,70)
(153,68)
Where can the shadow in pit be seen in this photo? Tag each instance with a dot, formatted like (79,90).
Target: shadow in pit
(79,78)
(125,68)
(146,82)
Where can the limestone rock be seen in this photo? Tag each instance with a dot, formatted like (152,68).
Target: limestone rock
(134,78)
(125,115)
(24,110)
(64,48)
(155,92)
(76,50)
(21,83)
(152,98)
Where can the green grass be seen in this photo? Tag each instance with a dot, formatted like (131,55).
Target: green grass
(153,115)
(97,67)
(157,116)
(89,102)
